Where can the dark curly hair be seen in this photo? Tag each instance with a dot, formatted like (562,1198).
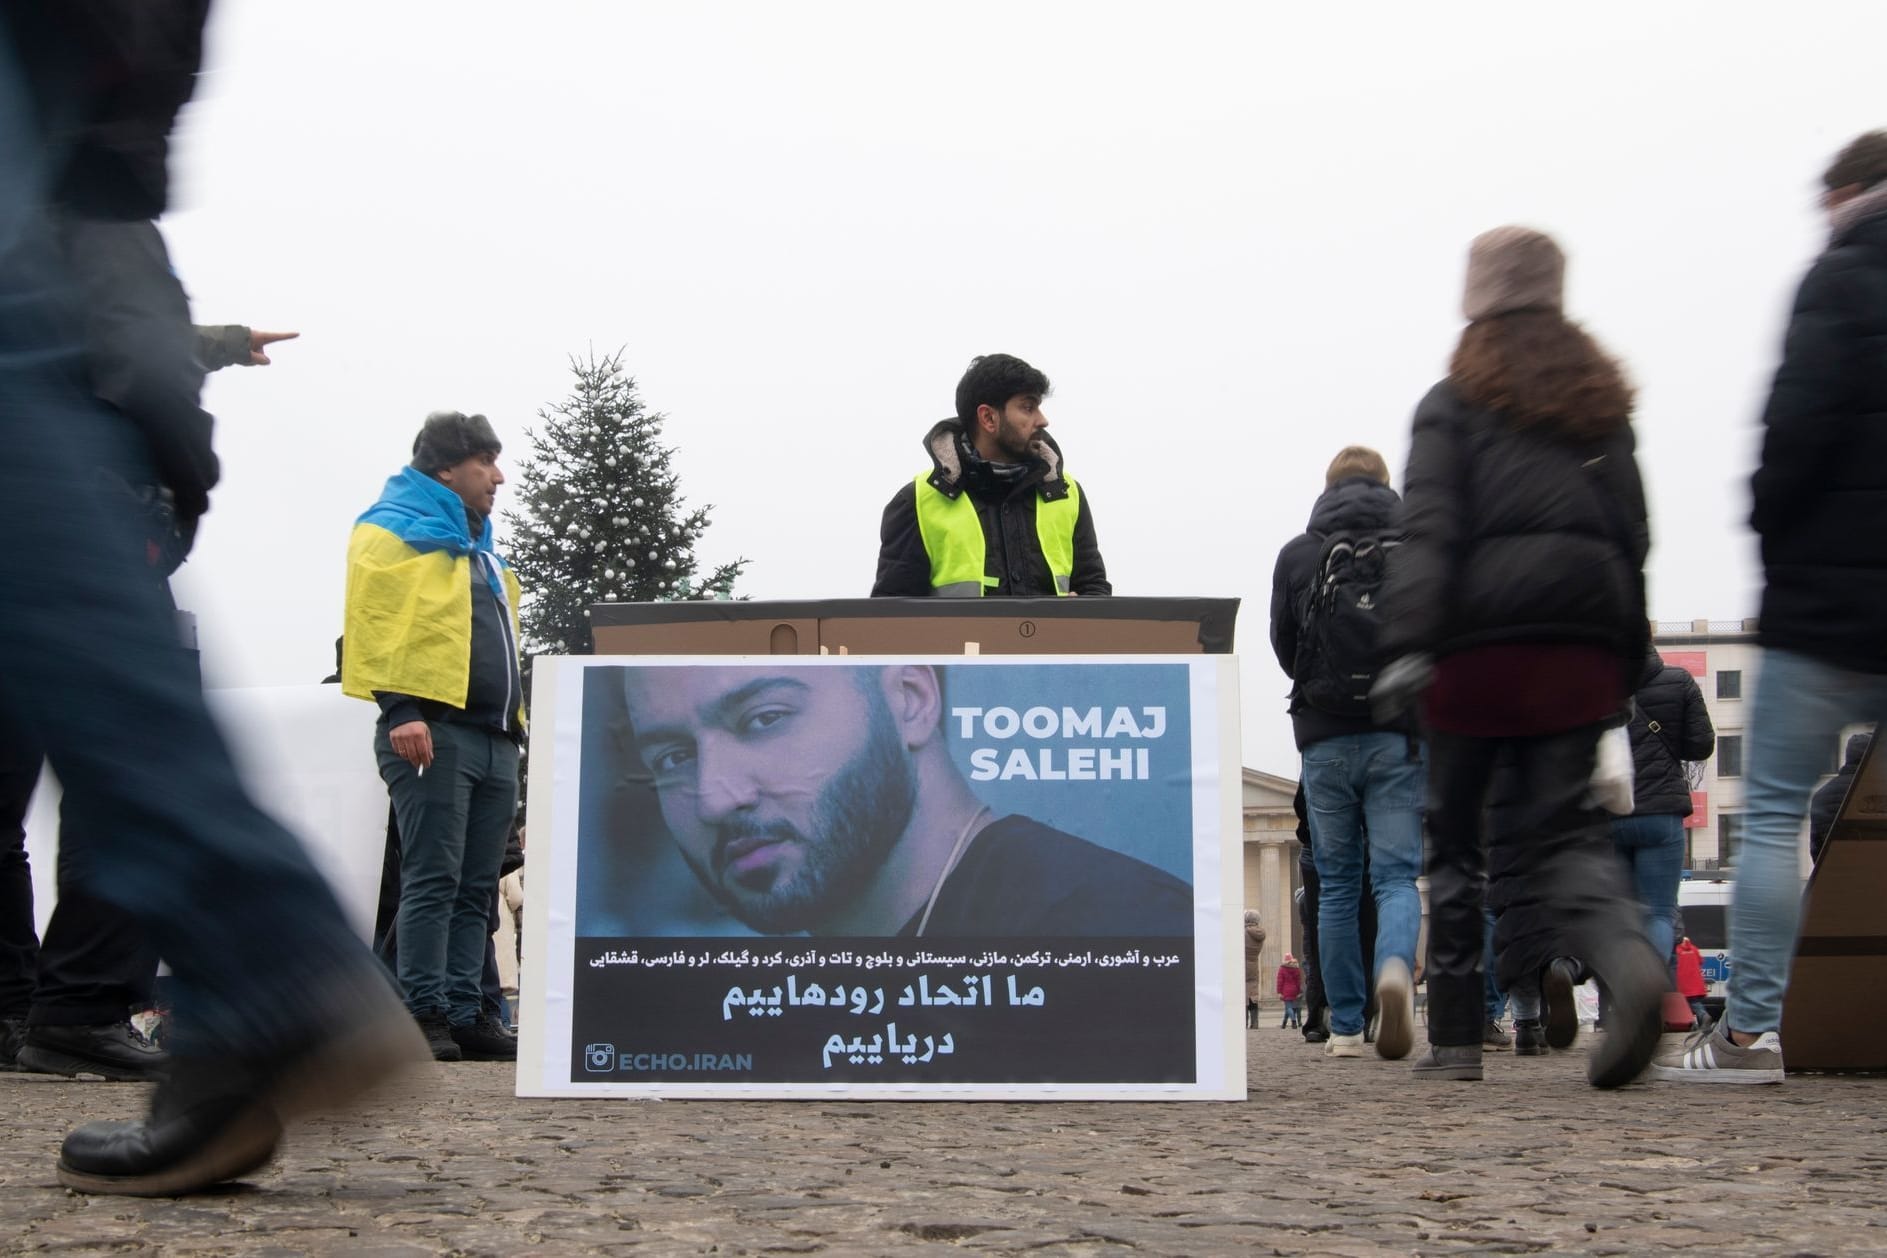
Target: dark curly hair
(1536,368)
(1863,161)
(992,380)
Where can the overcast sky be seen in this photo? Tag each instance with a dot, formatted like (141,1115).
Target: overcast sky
(1231,234)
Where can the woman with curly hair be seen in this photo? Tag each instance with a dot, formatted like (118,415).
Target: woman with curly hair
(1516,618)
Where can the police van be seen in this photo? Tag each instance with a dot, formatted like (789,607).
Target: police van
(1703,907)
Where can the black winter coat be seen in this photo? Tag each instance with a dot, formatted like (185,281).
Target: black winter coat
(1821,489)
(1826,804)
(1353,505)
(1671,726)
(1517,534)
(1012,551)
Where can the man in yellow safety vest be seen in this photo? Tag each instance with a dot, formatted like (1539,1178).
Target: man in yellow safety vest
(995,513)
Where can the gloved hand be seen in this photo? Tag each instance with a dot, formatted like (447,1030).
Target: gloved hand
(1398,686)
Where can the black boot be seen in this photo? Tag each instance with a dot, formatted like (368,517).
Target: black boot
(1529,1038)
(1559,1011)
(439,1037)
(1633,980)
(485,1040)
(116,1050)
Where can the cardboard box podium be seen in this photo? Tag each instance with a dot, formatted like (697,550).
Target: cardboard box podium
(1831,1017)
(918,626)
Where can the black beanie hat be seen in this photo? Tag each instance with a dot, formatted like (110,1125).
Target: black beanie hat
(449,437)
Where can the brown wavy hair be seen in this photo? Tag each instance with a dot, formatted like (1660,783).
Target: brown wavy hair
(1538,369)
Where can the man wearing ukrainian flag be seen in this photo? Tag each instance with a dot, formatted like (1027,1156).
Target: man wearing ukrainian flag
(431,636)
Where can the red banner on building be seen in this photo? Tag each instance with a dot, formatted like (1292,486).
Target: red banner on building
(1699,811)
(1692,662)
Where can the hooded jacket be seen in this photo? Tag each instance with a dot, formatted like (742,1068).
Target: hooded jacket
(1820,492)
(1671,725)
(1355,504)
(1518,532)
(1012,551)
(1825,806)
(431,615)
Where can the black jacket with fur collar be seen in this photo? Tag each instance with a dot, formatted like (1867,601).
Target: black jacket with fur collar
(1517,533)
(1012,551)
(1820,492)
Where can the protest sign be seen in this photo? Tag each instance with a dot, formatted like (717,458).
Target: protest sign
(991,877)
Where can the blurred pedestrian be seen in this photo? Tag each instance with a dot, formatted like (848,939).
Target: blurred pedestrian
(1820,495)
(1516,617)
(278,1007)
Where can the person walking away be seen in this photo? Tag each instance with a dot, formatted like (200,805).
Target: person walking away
(1515,615)
(1363,778)
(1820,494)
(1290,989)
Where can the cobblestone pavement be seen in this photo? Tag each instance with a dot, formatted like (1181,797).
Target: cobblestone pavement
(1328,1157)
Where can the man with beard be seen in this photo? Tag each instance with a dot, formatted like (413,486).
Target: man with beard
(824,799)
(995,513)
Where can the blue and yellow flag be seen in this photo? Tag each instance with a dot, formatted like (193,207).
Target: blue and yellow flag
(408,624)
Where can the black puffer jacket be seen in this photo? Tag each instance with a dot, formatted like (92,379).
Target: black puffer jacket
(1354,505)
(1012,551)
(1821,489)
(1825,805)
(1671,726)
(1517,534)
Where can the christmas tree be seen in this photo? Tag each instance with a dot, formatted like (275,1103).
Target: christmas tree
(600,517)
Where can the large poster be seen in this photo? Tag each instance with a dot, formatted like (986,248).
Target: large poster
(797,876)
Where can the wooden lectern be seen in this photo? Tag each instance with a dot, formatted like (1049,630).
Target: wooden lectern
(919,626)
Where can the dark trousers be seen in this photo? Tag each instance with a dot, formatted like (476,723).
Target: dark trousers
(94,673)
(1557,887)
(96,964)
(1316,1004)
(453,820)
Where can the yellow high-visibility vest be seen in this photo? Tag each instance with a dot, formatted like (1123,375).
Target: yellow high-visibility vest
(953,538)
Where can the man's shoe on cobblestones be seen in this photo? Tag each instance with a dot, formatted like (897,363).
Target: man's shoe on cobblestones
(1395,997)
(116,1051)
(485,1040)
(1344,1046)
(1315,1035)
(1455,1061)
(1559,1010)
(215,1118)
(12,1036)
(1495,1040)
(1711,1056)
(439,1036)
(1632,978)
(1529,1038)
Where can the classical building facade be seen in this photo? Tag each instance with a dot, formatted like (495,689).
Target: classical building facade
(1270,864)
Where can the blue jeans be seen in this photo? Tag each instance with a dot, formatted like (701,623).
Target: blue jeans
(1652,846)
(93,669)
(1364,789)
(1799,709)
(453,819)
(1490,985)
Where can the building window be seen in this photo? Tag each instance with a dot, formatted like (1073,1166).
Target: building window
(1729,683)
(1729,755)
(1729,839)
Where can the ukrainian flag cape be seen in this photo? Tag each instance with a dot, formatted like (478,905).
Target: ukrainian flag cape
(408,624)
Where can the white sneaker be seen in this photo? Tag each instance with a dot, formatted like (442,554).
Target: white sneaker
(1710,1056)
(1345,1046)
(1395,1004)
